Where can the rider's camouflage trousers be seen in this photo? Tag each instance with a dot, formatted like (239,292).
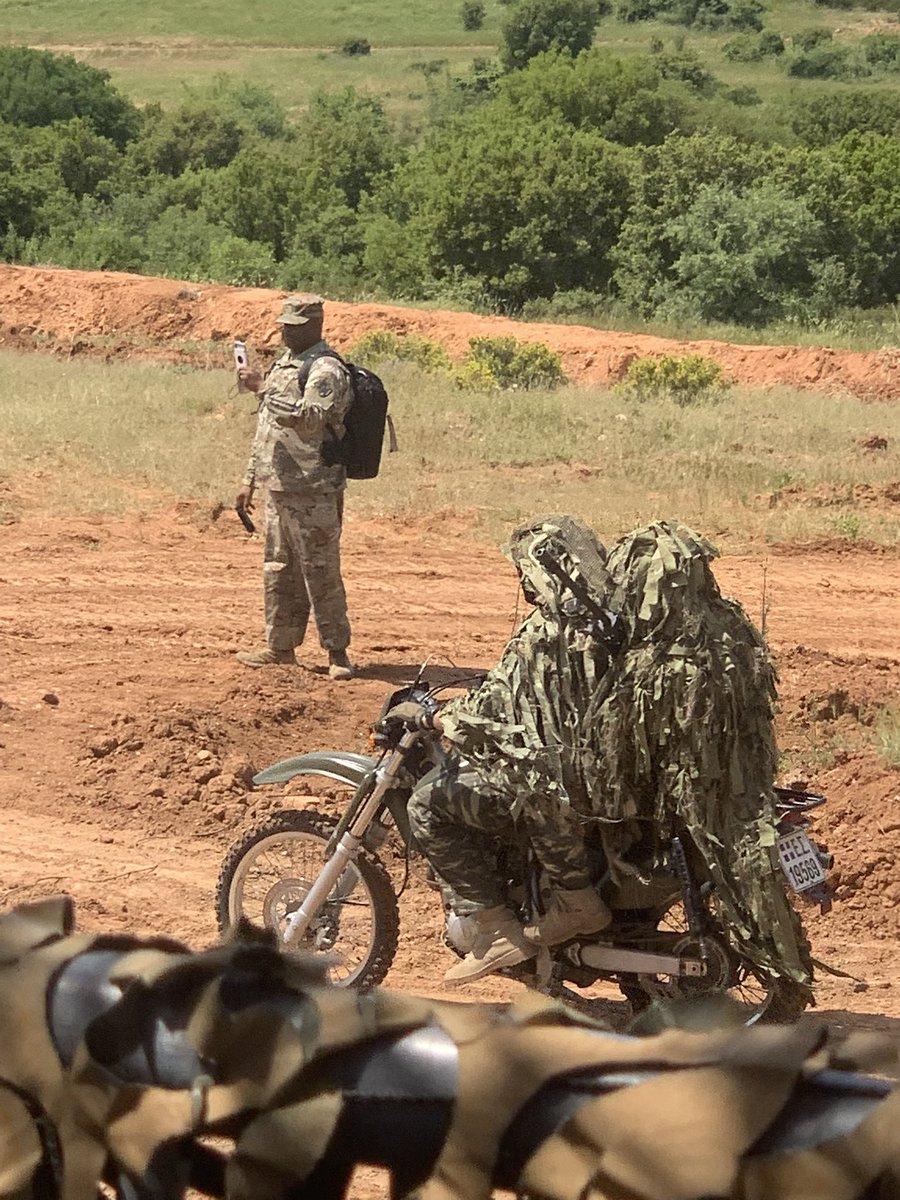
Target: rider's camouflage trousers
(302,569)
(459,821)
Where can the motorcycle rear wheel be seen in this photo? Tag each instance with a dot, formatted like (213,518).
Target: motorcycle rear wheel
(265,876)
(761,997)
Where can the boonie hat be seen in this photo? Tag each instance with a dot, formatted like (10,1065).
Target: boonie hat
(300,310)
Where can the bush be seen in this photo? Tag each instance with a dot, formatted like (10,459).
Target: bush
(882,51)
(824,62)
(535,26)
(38,88)
(744,97)
(808,39)
(744,48)
(381,345)
(772,43)
(691,379)
(472,13)
(749,47)
(510,364)
(355,47)
(639,10)
(821,120)
(241,263)
(563,306)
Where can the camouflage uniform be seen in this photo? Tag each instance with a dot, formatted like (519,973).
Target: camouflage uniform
(304,506)
(687,734)
(525,752)
(461,819)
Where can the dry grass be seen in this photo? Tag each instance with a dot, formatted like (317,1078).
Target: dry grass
(757,467)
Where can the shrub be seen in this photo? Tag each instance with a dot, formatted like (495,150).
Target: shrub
(355,47)
(241,263)
(887,729)
(515,365)
(882,51)
(772,43)
(535,26)
(691,379)
(474,376)
(808,39)
(472,13)
(38,88)
(821,120)
(564,305)
(381,345)
(749,47)
(743,48)
(824,62)
(744,97)
(640,10)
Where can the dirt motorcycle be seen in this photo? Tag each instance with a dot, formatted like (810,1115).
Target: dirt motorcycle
(322,883)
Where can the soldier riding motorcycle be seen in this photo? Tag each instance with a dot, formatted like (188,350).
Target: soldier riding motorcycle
(622,823)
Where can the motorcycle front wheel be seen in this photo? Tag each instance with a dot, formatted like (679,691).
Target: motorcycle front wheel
(266,875)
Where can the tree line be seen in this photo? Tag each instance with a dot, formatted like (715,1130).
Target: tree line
(556,178)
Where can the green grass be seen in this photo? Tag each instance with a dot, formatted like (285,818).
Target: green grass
(107,438)
(887,733)
(155,52)
(264,22)
(167,74)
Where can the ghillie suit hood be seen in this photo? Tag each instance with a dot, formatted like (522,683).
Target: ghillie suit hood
(524,728)
(686,732)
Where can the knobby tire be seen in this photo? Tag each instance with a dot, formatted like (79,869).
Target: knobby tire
(375,878)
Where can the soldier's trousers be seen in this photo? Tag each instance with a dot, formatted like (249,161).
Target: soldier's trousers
(459,822)
(302,569)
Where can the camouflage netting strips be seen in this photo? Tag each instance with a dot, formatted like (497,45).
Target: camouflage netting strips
(118,1055)
(686,734)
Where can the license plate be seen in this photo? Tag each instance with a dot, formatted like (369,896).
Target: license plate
(800,862)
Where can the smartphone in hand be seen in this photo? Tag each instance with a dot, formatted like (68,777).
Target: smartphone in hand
(241,359)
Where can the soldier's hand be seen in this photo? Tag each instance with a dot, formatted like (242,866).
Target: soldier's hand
(245,499)
(250,379)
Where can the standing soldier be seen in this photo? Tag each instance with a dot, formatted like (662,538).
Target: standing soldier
(302,402)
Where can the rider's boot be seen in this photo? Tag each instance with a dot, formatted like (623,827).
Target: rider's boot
(339,665)
(570,913)
(499,942)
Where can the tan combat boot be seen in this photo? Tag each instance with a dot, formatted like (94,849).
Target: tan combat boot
(339,665)
(570,913)
(264,657)
(499,942)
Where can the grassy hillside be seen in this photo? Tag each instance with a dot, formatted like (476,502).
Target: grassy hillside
(265,22)
(157,52)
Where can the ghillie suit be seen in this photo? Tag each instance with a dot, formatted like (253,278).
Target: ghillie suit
(121,1058)
(687,738)
(525,729)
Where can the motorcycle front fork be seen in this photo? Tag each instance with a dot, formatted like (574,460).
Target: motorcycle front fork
(365,807)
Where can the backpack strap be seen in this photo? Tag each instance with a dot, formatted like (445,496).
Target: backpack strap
(306,366)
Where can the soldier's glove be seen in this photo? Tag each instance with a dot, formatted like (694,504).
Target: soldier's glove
(408,717)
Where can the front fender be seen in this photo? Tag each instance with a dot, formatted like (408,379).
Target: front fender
(341,765)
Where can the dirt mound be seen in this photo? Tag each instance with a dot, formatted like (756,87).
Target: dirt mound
(120,315)
(826,495)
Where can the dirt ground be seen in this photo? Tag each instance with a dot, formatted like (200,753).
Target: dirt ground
(129,733)
(120,315)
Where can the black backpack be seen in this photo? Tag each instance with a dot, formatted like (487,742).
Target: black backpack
(359,450)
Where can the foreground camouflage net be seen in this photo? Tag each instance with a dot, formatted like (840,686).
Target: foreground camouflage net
(118,1054)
